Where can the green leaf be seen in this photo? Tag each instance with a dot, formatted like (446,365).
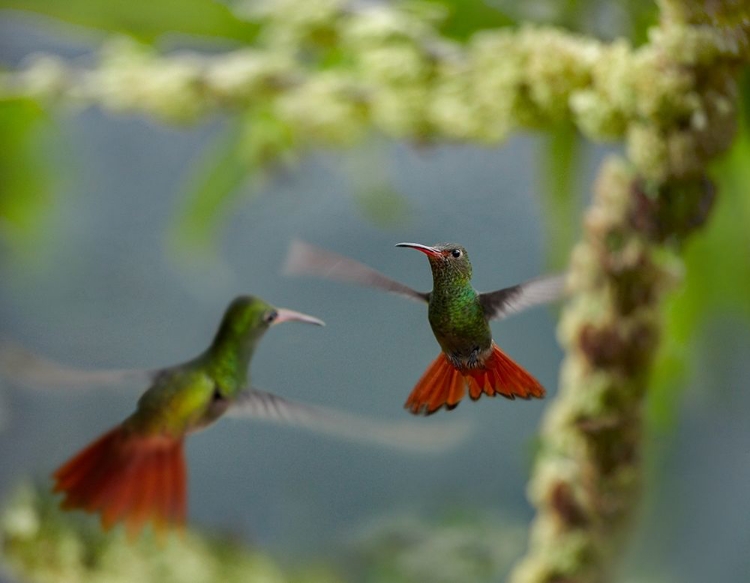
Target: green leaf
(383,205)
(24,172)
(372,186)
(560,187)
(717,281)
(465,17)
(214,186)
(239,158)
(145,19)
(744,100)
(643,14)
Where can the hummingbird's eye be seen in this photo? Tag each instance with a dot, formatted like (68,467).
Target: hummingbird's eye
(270,316)
(456,253)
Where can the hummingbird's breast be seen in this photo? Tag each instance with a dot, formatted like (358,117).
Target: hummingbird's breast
(180,401)
(459,325)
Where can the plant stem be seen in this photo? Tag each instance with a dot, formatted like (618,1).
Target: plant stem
(587,477)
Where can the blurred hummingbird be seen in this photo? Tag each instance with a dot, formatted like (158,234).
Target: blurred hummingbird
(459,317)
(135,473)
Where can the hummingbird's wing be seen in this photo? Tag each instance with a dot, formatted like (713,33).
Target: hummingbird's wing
(405,435)
(510,300)
(21,366)
(306,259)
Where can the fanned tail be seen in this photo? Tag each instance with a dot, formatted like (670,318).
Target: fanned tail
(444,385)
(501,375)
(127,477)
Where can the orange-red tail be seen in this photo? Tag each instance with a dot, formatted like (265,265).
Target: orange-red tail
(502,375)
(443,384)
(127,477)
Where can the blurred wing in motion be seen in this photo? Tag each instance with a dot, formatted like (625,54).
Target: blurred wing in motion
(511,300)
(21,366)
(403,435)
(306,259)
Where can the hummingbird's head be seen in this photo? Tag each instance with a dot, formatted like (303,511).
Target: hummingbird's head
(244,323)
(249,317)
(446,259)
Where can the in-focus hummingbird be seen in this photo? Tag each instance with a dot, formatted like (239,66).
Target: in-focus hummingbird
(135,473)
(459,317)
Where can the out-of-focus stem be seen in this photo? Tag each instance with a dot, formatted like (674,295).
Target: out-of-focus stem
(586,480)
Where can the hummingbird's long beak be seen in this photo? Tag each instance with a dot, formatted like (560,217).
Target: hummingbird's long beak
(285,315)
(423,248)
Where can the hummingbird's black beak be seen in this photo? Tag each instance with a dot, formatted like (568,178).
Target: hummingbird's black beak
(431,251)
(284,315)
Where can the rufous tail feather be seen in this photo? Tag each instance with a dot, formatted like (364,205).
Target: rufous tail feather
(127,477)
(444,385)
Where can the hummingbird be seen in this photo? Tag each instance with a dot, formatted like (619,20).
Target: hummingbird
(459,317)
(135,473)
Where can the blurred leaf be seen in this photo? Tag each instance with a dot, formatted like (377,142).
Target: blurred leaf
(744,100)
(717,280)
(371,183)
(251,146)
(24,175)
(145,19)
(643,15)
(463,545)
(383,205)
(215,184)
(560,187)
(465,17)
(76,549)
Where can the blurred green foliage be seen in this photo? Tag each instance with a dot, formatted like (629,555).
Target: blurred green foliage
(382,204)
(462,547)
(25,173)
(462,18)
(257,140)
(43,544)
(562,191)
(252,146)
(145,19)
(372,187)
(562,148)
(717,278)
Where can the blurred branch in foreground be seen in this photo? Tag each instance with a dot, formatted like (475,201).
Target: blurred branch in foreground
(41,543)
